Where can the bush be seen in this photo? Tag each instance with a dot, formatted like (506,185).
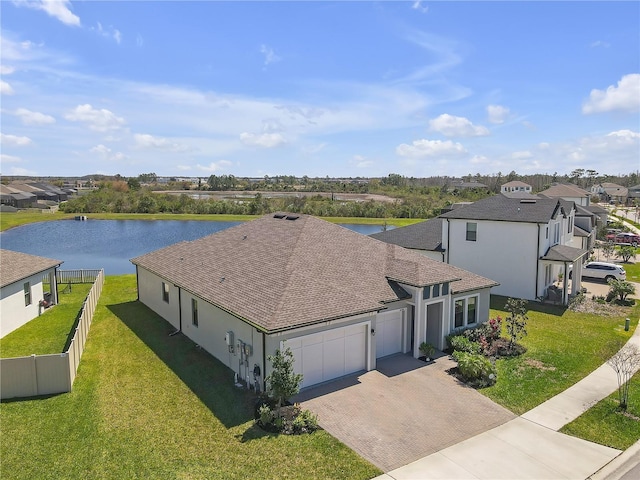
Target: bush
(475,369)
(460,343)
(289,420)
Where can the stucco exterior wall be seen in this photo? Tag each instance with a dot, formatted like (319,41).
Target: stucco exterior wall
(13,312)
(506,252)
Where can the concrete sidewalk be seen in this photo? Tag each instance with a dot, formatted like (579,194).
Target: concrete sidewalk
(530,447)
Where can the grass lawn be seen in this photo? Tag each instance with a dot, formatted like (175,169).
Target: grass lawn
(147,405)
(9,220)
(51,331)
(562,348)
(604,424)
(633,272)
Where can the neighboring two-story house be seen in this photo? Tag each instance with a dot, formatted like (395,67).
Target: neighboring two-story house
(521,243)
(569,192)
(515,186)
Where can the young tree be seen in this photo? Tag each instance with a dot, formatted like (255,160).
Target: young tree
(516,321)
(626,253)
(625,363)
(621,288)
(283,382)
(607,250)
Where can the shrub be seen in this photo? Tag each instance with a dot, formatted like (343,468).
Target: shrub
(460,343)
(475,369)
(265,415)
(516,322)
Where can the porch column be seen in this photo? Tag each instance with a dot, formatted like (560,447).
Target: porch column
(419,324)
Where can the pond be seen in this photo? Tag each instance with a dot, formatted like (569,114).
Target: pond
(110,244)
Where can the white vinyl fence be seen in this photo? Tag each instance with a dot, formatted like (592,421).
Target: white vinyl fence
(50,374)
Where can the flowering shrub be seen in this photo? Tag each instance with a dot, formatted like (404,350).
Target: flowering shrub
(475,369)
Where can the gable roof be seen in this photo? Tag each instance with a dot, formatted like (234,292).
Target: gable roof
(564,190)
(295,270)
(16,266)
(425,235)
(509,209)
(515,183)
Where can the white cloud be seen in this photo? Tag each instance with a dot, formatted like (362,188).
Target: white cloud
(600,43)
(108,32)
(5,88)
(23,172)
(624,97)
(269,55)
(522,155)
(98,120)
(417,5)
(6,70)
(4,158)
(117,157)
(430,148)
(313,149)
(360,161)
(214,166)
(34,118)
(14,141)
(146,141)
(105,153)
(625,136)
(55,8)
(265,140)
(452,126)
(101,149)
(497,113)
(479,160)
(139,41)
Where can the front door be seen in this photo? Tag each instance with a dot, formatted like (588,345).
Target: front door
(434,325)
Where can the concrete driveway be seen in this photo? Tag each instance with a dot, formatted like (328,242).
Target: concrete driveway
(403,411)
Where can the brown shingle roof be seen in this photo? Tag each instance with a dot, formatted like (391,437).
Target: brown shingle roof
(16,266)
(279,274)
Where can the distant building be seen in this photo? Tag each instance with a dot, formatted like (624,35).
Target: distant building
(611,192)
(515,186)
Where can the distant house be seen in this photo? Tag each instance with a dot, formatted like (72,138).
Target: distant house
(422,237)
(22,294)
(16,198)
(569,192)
(633,196)
(611,192)
(515,186)
(462,185)
(340,300)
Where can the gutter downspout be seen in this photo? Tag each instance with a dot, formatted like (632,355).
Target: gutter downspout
(137,284)
(538,261)
(179,309)
(264,363)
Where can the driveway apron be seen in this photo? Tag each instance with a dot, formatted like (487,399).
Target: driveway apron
(403,411)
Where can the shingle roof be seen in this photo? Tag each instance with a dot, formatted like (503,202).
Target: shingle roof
(596,209)
(515,183)
(425,235)
(16,266)
(564,190)
(279,274)
(564,253)
(503,208)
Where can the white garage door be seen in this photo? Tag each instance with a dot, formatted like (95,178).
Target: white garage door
(331,354)
(389,333)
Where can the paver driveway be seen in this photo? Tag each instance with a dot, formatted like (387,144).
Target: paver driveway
(403,411)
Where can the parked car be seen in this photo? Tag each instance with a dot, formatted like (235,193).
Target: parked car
(603,271)
(624,238)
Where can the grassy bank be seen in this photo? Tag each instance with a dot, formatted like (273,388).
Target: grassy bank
(147,405)
(563,347)
(10,220)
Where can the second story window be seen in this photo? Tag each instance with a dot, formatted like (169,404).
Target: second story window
(472,231)
(165,292)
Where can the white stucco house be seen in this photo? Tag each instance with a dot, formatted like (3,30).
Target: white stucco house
(522,243)
(340,300)
(21,288)
(568,192)
(515,186)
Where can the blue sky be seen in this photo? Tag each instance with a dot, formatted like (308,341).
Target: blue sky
(319,88)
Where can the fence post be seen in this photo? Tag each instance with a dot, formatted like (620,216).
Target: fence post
(34,375)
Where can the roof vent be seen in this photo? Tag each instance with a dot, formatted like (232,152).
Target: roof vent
(293,217)
(528,200)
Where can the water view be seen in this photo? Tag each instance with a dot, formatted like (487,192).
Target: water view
(110,244)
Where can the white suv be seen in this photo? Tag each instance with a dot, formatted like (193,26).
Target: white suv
(603,271)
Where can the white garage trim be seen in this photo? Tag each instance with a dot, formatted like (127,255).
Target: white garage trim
(390,332)
(330,354)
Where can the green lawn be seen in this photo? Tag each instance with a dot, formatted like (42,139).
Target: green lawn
(147,405)
(633,272)
(604,424)
(562,348)
(51,331)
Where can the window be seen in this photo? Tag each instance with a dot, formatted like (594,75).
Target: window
(472,230)
(165,292)
(459,316)
(426,293)
(194,312)
(27,294)
(466,312)
(471,310)
(445,289)
(436,291)
(546,232)
(556,234)
(570,227)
